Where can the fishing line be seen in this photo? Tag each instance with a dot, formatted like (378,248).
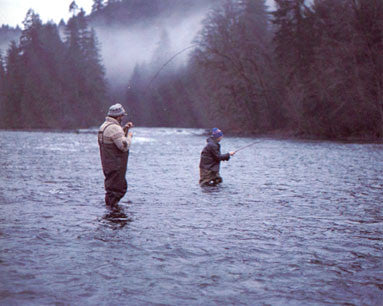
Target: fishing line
(164,65)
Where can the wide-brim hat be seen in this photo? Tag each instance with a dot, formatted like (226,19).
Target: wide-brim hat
(116,110)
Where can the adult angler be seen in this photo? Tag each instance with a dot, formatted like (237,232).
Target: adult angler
(114,142)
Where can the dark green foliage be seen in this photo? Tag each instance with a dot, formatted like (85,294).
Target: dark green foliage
(234,63)
(2,85)
(13,87)
(87,90)
(314,68)
(368,23)
(98,5)
(51,84)
(329,59)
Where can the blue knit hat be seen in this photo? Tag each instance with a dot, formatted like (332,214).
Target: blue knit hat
(216,133)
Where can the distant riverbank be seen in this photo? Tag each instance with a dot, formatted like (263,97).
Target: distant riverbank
(292,134)
(275,134)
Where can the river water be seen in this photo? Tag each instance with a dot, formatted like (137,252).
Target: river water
(294,223)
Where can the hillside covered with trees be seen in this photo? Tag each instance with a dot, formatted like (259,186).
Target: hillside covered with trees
(307,70)
(47,82)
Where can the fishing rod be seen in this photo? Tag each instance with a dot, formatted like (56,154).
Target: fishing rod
(244,147)
(163,66)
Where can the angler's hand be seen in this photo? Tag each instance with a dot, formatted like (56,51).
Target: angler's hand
(232,153)
(130,134)
(127,127)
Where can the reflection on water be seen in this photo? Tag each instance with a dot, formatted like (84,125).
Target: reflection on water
(293,223)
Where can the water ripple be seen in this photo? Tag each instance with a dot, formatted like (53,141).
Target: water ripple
(294,223)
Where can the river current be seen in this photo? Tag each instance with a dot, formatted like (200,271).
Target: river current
(293,223)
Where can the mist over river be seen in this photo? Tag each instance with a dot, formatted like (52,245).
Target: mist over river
(293,223)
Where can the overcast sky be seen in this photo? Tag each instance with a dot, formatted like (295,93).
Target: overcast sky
(12,12)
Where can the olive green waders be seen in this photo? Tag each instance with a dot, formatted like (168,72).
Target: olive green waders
(209,178)
(114,163)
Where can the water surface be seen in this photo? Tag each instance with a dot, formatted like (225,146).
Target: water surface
(294,223)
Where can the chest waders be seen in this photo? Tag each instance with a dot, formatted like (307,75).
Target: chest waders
(114,163)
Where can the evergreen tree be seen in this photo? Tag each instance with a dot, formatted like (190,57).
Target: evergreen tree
(369,26)
(293,37)
(2,71)
(73,7)
(294,41)
(49,84)
(2,88)
(40,47)
(98,5)
(87,85)
(14,79)
(344,99)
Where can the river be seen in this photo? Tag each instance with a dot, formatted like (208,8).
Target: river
(293,223)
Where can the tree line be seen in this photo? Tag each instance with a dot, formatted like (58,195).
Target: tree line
(330,66)
(49,80)
(312,69)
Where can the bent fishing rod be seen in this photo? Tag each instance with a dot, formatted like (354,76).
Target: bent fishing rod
(164,65)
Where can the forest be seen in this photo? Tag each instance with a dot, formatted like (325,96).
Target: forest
(304,69)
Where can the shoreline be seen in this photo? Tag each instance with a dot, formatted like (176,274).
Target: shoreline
(275,134)
(294,135)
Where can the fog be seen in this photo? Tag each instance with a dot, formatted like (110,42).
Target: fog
(122,48)
(3,48)
(147,44)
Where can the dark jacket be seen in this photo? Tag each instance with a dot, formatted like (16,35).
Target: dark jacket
(211,155)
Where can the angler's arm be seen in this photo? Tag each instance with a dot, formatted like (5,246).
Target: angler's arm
(123,143)
(218,156)
(120,140)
